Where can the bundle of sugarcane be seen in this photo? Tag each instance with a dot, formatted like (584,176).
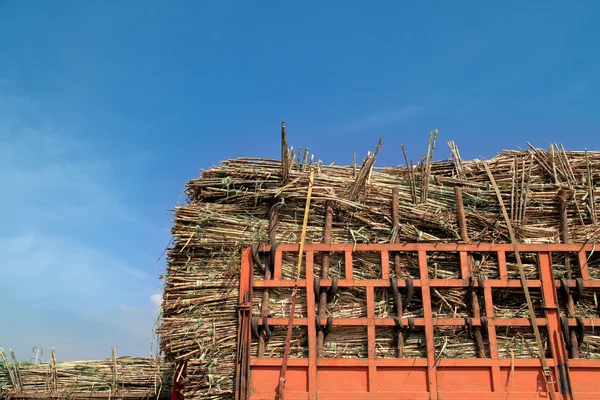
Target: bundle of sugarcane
(348,303)
(346,342)
(133,376)
(277,342)
(511,303)
(210,377)
(519,342)
(386,345)
(593,262)
(229,207)
(586,306)
(5,382)
(590,347)
(279,303)
(454,342)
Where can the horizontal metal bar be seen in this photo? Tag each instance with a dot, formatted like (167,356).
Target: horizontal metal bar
(278,283)
(271,395)
(584,363)
(416,396)
(435,283)
(590,283)
(500,395)
(450,247)
(415,362)
(420,321)
(593,322)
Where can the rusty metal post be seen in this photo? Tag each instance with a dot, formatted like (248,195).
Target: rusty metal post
(322,306)
(464,236)
(264,306)
(397,268)
(564,237)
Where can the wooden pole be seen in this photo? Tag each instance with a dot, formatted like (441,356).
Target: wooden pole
(285,161)
(264,307)
(564,227)
(279,394)
(564,236)
(460,213)
(322,307)
(534,325)
(397,268)
(464,235)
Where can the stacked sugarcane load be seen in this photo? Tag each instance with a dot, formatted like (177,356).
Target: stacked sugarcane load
(133,377)
(230,207)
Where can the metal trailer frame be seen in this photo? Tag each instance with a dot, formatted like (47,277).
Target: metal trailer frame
(416,378)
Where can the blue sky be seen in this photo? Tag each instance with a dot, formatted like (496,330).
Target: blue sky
(107,108)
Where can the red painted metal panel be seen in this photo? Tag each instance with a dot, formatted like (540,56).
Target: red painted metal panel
(264,380)
(464,379)
(343,379)
(401,380)
(525,379)
(582,382)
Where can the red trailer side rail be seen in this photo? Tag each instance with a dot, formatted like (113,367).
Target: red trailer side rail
(417,378)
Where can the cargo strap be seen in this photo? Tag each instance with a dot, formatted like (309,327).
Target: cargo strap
(286,354)
(536,330)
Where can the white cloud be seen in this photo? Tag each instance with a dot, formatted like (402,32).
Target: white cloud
(156,299)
